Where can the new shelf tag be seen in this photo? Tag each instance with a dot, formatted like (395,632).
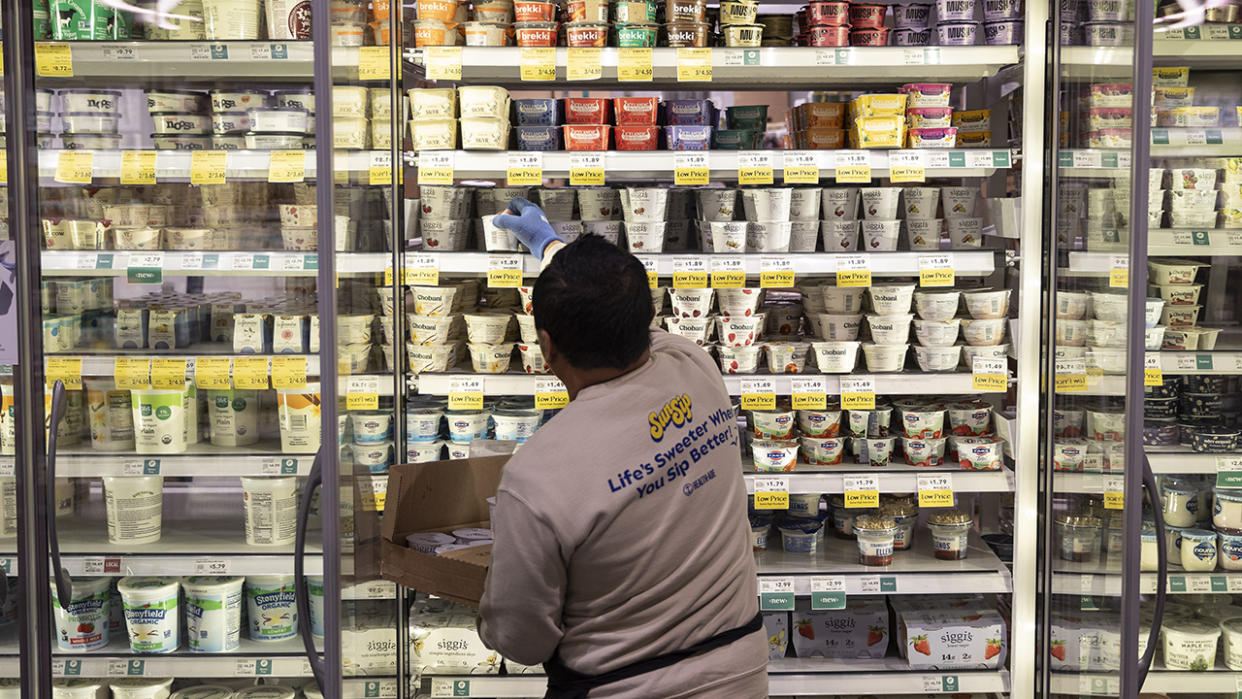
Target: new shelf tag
(1114,491)
(1229,471)
(465,393)
(776,272)
(288,372)
(689,273)
(132,372)
(776,594)
(651,264)
(362,393)
(989,375)
(250,372)
(168,374)
(53,59)
(374,63)
(935,490)
(694,65)
(504,271)
(862,491)
(827,592)
(758,394)
(771,493)
(1071,375)
(1118,271)
(138,167)
(935,270)
(211,372)
(809,393)
(755,166)
(1153,374)
(443,62)
(907,166)
(690,167)
(75,166)
(286,166)
(66,369)
(422,269)
(853,167)
(853,270)
(525,168)
(208,166)
(434,167)
(538,63)
(875,584)
(728,271)
(801,167)
(550,393)
(584,63)
(634,65)
(586,168)
(858,392)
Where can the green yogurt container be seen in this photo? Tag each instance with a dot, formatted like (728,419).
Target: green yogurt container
(637,35)
(81,20)
(735,139)
(633,12)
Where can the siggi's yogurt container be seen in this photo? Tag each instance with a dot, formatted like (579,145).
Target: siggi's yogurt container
(82,624)
(152,613)
(213,613)
(271,606)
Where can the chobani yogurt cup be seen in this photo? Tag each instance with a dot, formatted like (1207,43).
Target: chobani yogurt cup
(936,305)
(271,606)
(82,623)
(134,506)
(152,613)
(140,687)
(213,613)
(836,357)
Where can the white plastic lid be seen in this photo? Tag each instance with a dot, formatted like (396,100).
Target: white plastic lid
(211,583)
(153,588)
(81,588)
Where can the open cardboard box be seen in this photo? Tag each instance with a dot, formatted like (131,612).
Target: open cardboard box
(439,497)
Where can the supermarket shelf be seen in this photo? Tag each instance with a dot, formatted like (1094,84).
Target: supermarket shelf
(202,459)
(1161,681)
(723,164)
(907,383)
(104,363)
(1207,46)
(272,658)
(210,63)
(174,165)
(786,677)
(1163,460)
(1166,143)
(1181,242)
(894,478)
(1108,583)
(916,571)
(735,68)
(883,264)
(93,263)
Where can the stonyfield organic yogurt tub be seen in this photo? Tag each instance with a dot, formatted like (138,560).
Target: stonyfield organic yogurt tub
(152,613)
(271,607)
(82,624)
(213,613)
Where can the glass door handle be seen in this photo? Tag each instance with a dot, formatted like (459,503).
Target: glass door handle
(1162,573)
(64,585)
(301,589)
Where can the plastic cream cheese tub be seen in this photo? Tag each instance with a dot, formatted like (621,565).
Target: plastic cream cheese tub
(82,624)
(213,613)
(272,607)
(134,508)
(152,613)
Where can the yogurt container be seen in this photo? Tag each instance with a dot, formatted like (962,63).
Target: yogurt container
(1189,644)
(1198,551)
(152,613)
(134,506)
(517,425)
(955,10)
(270,506)
(801,535)
(774,456)
(213,613)
(950,530)
(82,623)
(140,687)
(298,414)
(159,421)
(271,607)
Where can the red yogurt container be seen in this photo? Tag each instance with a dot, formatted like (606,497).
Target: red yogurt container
(534,11)
(541,34)
(869,37)
(586,136)
(830,13)
(828,35)
(867,16)
(586,34)
(635,111)
(637,137)
(586,110)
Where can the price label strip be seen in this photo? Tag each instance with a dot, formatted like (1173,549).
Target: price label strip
(586,169)
(858,392)
(421,269)
(208,166)
(690,169)
(145,268)
(1119,271)
(132,373)
(1071,376)
(776,272)
(250,373)
(1153,374)
(362,393)
(853,270)
(550,393)
(771,493)
(1229,471)
(538,63)
(935,270)
(374,63)
(286,166)
(758,394)
(853,167)
(862,491)
(809,393)
(75,166)
(694,65)
(801,167)
(525,169)
(288,372)
(584,63)
(635,65)
(504,271)
(989,375)
(1114,492)
(434,167)
(379,169)
(728,272)
(53,59)
(776,594)
(935,490)
(443,62)
(66,369)
(906,166)
(168,374)
(755,167)
(212,373)
(465,393)
(138,167)
(827,592)
(689,273)
(651,264)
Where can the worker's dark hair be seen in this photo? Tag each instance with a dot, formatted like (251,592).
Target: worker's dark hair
(594,301)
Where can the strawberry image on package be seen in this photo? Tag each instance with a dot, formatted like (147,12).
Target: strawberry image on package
(858,631)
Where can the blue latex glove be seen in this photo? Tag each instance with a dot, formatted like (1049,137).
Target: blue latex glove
(530,226)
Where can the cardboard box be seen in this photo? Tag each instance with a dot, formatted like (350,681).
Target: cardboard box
(439,497)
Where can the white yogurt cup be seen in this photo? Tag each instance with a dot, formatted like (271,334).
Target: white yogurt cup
(804,204)
(768,236)
(467,425)
(987,331)
(739,360)
(423,452)
(840,235)
(234,416)
(837,357)
(959,201)
(724,236)
(645,236)
(920,202)
(965,232)
(134,506)
(839,327)
(1189,645)
(691,303)
(938,358)
(880,235)
(298,413)
(488,328)
(879,203)
(159,421)
(370,428)
(213,613)
(803,236)
(937,333)
(936,305)
(228,20)
(645,204)
(82,623)
(314,590)
(767,203)
(490,359)
(1231,634)
(884,358)
(889,299)
(533,361)
(987,304)
(270,505)
(152,613)
(740,331)
(923,233)
(422,424)
(518,425)
(889,329)
(279,121)
(842,299)
(141,687)
(839,203)
(272,607)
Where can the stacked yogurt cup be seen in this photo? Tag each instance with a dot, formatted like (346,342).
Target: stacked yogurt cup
(431,426)
(89,119)
(1172,284)
(434,323)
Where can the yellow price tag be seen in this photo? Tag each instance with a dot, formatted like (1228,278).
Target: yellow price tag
(586,169)
(374,63)
(858,401)
(168,374)
(66,369)
(771,493)
(286,166)
(538,63)
(525,169)
(1119,278)
(728,272)
(809,393)
(854,277)
(801,167)
(758,394)
(435,167)
(53,59)
(634,65)
(443,62)
(694,65)
(689,273)
(250,372)
(1071,376)
(861,491)
(138,167)
(1153,374)
(132,372)
(288,372)
(1114,492)
(75,166)
(776,273)
(4,155)
(690,169)
(935,490)
(208,166)
(989,375)
(908,173)
(853,174)
(466,393)
(858,392)
(754,167)
(211,372)
(362,401)
(935,270)
(550,394)
(373,492)
(504,271)
(421,270)
(651,265)
(584,64)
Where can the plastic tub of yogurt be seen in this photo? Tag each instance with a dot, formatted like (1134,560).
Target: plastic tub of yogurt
(234,416)
(298,413)
(270,505)
(1189,644)
(772,455)
(371,428)
(110,414)
(82,624)
(204,691)
(134,506)
(213,613)
(801,535)
(517,425)
(152,613)
(1198,554)
(422,424)
(314,589)
(271,606)
(159,421)
(141,687)
(415,453)
(78,689)
(467,425)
